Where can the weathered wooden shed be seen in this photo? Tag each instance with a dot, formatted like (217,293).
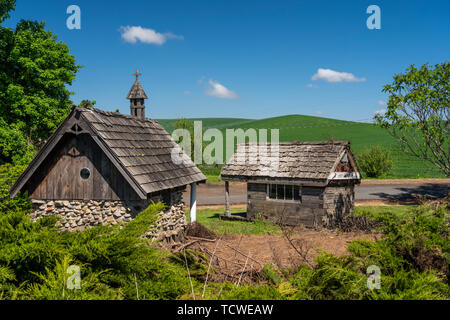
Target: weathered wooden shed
(309,183)
(103,167)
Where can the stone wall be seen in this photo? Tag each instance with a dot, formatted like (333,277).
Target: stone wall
(169,227)
(338,202)
(79,214)
(171,223)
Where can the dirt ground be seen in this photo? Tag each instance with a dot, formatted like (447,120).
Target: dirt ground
(385,202)
(238,252)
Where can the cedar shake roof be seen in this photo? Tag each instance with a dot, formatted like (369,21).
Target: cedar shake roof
(139,148)
(136,91)
(313,161)
(144,148)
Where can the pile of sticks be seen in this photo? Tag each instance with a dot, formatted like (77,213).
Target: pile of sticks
(352,223)
(242,268)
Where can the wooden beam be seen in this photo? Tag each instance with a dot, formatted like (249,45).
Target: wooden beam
(277,180)
(344,176)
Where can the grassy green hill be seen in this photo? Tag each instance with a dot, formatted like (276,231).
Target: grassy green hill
(309,128)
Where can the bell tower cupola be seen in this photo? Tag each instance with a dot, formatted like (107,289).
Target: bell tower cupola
(137,97)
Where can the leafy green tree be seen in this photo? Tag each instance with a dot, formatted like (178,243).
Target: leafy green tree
(87,103)
(418,113)
(34,71)
(8,174)
(6,6)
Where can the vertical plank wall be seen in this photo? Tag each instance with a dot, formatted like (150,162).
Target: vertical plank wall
(58,178)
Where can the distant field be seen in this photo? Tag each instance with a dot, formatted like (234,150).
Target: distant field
(308,128)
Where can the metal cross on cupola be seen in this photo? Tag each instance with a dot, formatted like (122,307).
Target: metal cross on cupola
(137,96)
(136,74)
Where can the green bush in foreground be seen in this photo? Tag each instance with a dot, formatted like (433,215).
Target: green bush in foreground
(413,257)
(113,260)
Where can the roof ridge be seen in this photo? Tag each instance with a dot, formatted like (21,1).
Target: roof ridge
(340,142)
(115,114)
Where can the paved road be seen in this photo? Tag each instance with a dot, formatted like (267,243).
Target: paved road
(215,194)
(404,191)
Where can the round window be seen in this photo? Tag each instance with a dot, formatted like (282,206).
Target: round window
(85,173)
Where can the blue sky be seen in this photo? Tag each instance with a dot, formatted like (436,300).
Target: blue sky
(250,59)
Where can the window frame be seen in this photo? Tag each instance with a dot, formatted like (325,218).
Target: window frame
(85,173)
(293,187)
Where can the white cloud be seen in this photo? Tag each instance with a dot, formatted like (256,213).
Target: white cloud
(187,92)
(335,76)
(381,103)
(319,112)
(220,91)
(133,34)
(310,85)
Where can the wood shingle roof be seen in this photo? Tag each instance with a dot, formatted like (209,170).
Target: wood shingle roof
(290,160)
(141,149)
(136,91)
(144,148)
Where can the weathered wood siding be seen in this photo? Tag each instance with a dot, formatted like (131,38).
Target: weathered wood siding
(60,178)
(308,212)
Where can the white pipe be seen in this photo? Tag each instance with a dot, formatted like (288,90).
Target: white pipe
(193,207)
(227,199)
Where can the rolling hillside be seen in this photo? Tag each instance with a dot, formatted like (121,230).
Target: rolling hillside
(309,128)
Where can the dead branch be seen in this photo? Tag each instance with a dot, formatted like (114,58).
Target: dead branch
(243,254)
(225,259)
(137,290)
(184,246)
(232,262)
(243,270)
(189,274)
(302,249)
(209,266)
(201,239)
(275,255)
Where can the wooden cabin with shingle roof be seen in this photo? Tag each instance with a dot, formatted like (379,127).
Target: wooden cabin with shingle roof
(309,183)
(103,167)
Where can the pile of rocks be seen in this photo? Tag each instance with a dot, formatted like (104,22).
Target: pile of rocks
(78,214)
(169,226)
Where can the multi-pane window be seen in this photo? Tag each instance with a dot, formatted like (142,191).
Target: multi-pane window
(283,192)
